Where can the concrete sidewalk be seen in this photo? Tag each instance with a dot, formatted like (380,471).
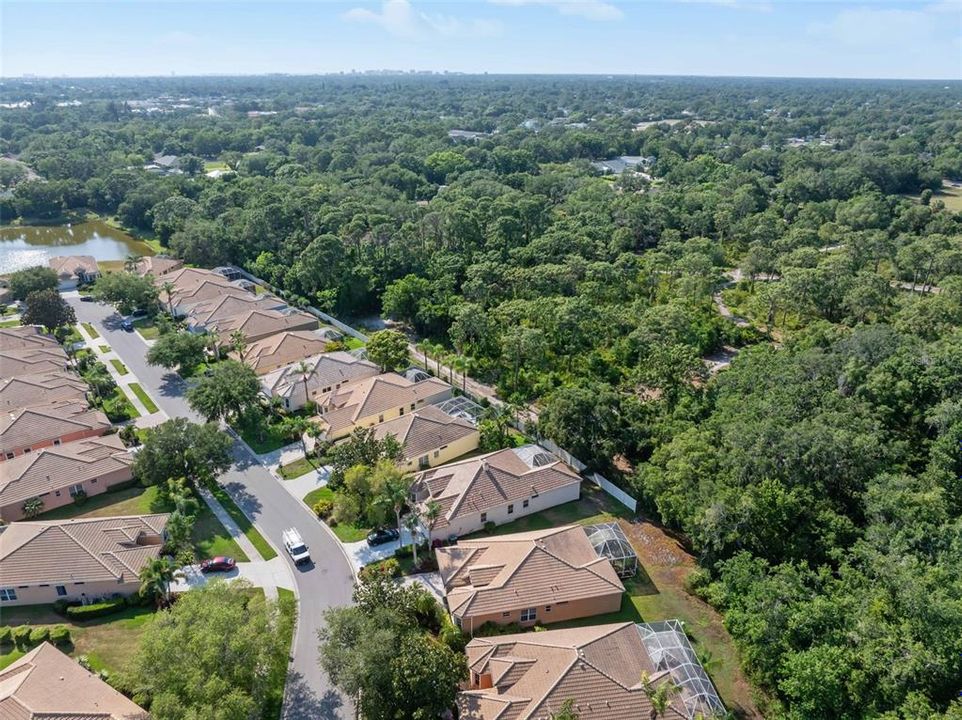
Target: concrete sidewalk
(228,522)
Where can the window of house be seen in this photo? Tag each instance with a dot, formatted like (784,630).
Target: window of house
(26,450)
(511,509)
(412,406)
(61,590)
(484,517)
(529,614)
(524,504)
(436,453)
(93,480)
(506,614)
(547,608)
(457,622)
(8,594)
(9,456)
(56,442)
(80,582)
(76,489)
(380,418)
(56,493)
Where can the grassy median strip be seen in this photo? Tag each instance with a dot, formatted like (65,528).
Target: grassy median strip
(119,366)
(143,397)
(257,540)
(105,349)
(91,330)
(277,677)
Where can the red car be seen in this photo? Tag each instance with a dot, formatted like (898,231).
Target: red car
(218,564)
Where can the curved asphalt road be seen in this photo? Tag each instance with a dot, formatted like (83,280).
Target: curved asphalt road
(328,582)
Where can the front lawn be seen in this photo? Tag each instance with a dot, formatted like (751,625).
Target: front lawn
(147,328)
(352,342)
(9,323)
(345,532)
(210,537)
(263,438)
(297,468)
(119,407)
(143,397)
(243,522)
(91,330)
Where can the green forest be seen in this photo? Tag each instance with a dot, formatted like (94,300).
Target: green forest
(755,328)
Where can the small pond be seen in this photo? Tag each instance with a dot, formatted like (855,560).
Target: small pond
(22,247)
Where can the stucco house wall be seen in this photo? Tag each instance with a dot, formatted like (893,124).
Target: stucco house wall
(443,454)
(547,613)
(50,441)
(47,593)
(59,498)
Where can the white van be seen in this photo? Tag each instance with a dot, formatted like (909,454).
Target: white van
(295,546)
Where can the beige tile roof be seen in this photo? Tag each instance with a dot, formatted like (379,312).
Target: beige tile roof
(533,674)
(158,265)
(283,348)
(26,426)
(425,430)
(488,481)
(522,570)
(82,550)
(187,298)
(55,468)
(186,279)
(371,396)
(67,266)
(226,306)
(326,370)
(26,337)
(45,684)
(257,325)
(25,390)
(31,360)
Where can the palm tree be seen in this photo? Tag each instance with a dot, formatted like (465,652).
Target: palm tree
(423,347)
(430,514)
(155,579)
(130,264)
(213,343)
(660,697)
(392,489)
(460,364)
(169,289)
(304,370)
(412,522)
(238,343)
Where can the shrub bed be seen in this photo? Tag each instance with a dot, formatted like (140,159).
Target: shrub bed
(21,635)
(95,610)
(60,635)
(39,635)
(6,635)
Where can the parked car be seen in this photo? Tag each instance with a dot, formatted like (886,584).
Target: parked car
(127,325)
(380,536)
(138,314)
(295,546)
(218,564)
(87,298)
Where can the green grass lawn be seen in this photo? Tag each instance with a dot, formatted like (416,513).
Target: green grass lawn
(105,348)
(210,537)
(143,397)
(352,342)
(345,532)
(128,406)
(262,440)
(215,165)
(9,323)
(109,643)
(119,366)
(91,330)
(147,329)
(297,468)
(287,606)
(257,540)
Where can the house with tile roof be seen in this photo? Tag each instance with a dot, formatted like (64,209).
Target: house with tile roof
(530,676)
(58,473)
(26,390)
(46,684)
(375,400)
(193,286)
(430,437)
(26,337)
(497,487)
(325,372)
(157,265)
(74,270)
(205,315)
(282,348)
(31,360)
(28,429)
(81,559)
(258,325)
(543,576)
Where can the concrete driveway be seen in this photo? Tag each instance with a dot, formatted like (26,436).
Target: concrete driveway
(267,574)
(326,583)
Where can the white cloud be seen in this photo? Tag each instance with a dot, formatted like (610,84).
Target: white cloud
(589,9)
(400,18)
(879,27)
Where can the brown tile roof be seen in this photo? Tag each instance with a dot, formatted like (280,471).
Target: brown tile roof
(425,430)
(81,550)
(227,306)
(522,570)
(158,265)
(186,279)
(343,407)
(326,370)
(259,324)
(186,298)
(26,337)
(58,467)
(31,360)
(283,348)
(533,674)
(26,426)
(488,481)
(67,266)
(45,684)
(25,390)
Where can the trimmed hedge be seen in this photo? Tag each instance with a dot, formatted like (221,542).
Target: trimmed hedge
(6,635)
(21,635)
(39,635)
(95,610)
(60,635)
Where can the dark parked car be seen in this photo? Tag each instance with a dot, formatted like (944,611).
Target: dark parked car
(127,325)
(382,535)
(218,564)
(87,298)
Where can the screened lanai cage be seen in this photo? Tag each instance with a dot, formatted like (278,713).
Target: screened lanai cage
(670,650)
(462,407)
(609,541)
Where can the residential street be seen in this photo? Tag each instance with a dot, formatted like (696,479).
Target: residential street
(328,582)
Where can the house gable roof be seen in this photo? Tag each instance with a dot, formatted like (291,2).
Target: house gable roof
(26,337)
(371,396)
(325,370)
(40,423)
(424,430)
(68,266)
(45,387)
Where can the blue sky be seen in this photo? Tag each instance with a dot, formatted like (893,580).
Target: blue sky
(826,38)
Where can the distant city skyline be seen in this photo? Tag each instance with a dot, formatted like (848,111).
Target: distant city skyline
(777,38)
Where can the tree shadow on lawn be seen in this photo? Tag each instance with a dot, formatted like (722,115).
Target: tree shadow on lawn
(248,503)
